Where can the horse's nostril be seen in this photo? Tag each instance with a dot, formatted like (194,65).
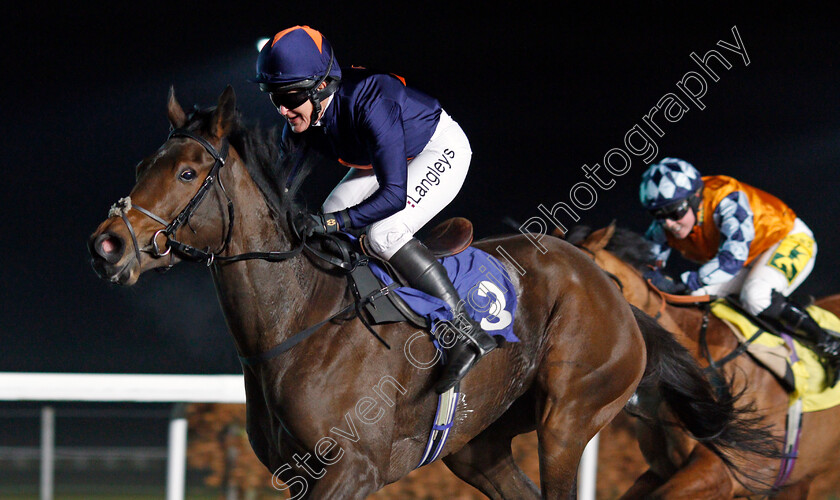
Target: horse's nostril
(109,247)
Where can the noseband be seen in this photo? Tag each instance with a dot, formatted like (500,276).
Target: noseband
(182,249)
(347,262)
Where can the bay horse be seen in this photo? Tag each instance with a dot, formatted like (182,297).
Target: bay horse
(364,411)
(680,467)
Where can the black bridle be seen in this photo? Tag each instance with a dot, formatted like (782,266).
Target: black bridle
(346,262)
(184,250)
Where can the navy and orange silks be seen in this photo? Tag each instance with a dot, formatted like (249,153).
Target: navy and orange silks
(374,121)
(295,54)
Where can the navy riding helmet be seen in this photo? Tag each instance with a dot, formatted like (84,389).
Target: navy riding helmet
(298,59)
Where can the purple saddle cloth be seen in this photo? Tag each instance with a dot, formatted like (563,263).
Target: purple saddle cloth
(482,283)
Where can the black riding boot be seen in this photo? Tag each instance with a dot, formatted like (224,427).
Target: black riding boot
(797,319)
(422,271)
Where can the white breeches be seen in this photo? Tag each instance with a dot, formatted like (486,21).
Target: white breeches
(782,267)
(434,178)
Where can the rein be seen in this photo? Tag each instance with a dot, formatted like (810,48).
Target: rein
(184,250)
(678,300)
(346,262)
(703,302)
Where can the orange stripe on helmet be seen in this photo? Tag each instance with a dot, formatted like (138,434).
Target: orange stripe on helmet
(313,33)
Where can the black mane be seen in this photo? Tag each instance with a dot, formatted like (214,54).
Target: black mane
(276,169)
(629,246)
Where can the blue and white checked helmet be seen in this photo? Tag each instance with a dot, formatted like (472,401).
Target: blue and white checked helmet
(668,181)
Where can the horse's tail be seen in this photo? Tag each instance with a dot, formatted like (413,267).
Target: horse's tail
(711,414)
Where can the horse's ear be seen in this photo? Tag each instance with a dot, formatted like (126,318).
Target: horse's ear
(177,117)
(599,239)
(609,232)
(223,117)
(558,233)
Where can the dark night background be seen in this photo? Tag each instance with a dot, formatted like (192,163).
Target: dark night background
(539,91)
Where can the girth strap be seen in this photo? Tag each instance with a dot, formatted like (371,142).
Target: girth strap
(299,337)
(291,341)
(713,370)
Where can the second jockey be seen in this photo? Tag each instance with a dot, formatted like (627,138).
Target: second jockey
(747,241)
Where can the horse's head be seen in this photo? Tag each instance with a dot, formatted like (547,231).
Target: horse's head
(625,255)
(596,243)
(180,195)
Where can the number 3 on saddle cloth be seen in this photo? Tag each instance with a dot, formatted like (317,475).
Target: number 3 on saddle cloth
(481,281)
(490,298)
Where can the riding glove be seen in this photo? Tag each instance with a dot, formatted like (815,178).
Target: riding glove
(321,223)
(664,282)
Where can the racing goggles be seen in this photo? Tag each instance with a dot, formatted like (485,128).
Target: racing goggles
(674,211)
(289,100)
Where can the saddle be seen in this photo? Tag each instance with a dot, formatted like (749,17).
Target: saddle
(345,252)
(450,237)
(789,358)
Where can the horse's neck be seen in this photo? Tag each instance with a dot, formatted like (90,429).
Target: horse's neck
(683,322)
(266,302)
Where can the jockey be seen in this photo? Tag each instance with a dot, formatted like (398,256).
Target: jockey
(407,158)
(748,242)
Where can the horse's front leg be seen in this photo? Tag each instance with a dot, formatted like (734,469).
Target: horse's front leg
(258,423)
(350,477)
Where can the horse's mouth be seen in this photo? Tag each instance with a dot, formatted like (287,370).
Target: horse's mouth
(120,275)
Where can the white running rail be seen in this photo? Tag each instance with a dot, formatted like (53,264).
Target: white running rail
(178,389)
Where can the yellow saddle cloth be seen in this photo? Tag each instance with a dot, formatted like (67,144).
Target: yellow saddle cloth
(776,355)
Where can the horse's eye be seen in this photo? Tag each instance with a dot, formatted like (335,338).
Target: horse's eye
(188,175)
